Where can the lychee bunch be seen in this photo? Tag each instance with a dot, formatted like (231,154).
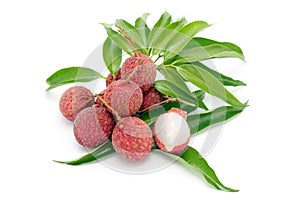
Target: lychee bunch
(172,132)
(74,100)
(93,125)
(140,69)
(132,138)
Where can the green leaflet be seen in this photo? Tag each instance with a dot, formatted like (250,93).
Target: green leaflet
(199,122)
(118,39)
(100,152)
(201,49)
(131,32)
(166,35)
(71,75)
(182,37)
(227,81)
(172,90)
(193,160)
(208,83)
(199,94)
(163,21)
(176,84)
(143,29)
(112,56)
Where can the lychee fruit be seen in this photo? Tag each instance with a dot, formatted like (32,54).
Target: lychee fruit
(111,78)
(179,111)
(139,69)
(151,97)
(74,100)
(171,133)
(124,97)
(93,125)
(132,138)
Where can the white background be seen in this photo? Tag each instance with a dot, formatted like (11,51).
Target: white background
(257,153)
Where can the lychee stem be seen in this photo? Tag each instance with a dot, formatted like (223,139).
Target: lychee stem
(132,73)
(109,107)
(169,99)
(128,39)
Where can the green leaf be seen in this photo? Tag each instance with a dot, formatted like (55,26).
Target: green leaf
(166,35)
(201,49)
(192,159)
(182,37)
(71,75)
(208,83)
(163,21)
(173,90)
(131,32)
(142,27)
(112,56)
(199,94)
(118,39)
(100,152)
(227,81)
(199,122)
(180,88)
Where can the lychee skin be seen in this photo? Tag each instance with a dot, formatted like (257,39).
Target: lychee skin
(74,100)
(125,97)
(171,133)
(182,113)
(93,125)
(140,69)
(132,138)
(111,79)
(150,98)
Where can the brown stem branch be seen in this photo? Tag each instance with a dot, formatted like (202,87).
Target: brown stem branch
(109,107)
(168,99)
(129,40)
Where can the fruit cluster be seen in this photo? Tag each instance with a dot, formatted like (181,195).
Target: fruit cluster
(111,114)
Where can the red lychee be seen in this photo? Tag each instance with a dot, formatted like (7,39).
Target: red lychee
(74,100)
(93,125)
(132,138)
(151,97)
(125,97)
(139,69)
(179,111)
(171,133)
(111,79)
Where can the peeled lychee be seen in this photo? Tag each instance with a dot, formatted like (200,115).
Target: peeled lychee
(179,111)
(140,69)
(125,97)
(111,79)
(93,125)
(171,133)
(132,138)
(151,97)
(74,100)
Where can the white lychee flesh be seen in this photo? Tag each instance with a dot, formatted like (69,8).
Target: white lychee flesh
(172,131)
